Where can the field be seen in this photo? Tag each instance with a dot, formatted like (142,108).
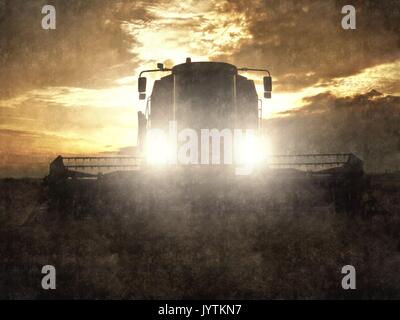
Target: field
(203,239)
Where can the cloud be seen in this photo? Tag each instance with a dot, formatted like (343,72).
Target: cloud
(365,124)
(303,43)
(84,128)
(88,47)
(179,29)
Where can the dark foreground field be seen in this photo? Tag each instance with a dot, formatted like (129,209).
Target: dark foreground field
(129,241)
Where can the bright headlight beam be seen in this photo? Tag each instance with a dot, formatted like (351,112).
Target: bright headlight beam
(157,148)
(249,150)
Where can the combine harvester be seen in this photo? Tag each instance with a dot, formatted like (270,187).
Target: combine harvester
(208,95)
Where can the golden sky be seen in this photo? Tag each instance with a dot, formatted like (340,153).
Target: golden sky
(73,90)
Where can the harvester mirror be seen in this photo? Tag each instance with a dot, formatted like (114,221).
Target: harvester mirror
(267,87)
(267,94)
(142,85)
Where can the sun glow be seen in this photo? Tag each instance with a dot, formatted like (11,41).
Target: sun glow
(382,77)
(251,150)
(186,29)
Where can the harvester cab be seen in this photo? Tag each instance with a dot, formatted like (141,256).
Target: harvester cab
(201,96)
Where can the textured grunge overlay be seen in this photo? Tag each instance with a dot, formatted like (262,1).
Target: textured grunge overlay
(281,233)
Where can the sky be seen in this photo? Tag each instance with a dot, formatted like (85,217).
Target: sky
(72,90)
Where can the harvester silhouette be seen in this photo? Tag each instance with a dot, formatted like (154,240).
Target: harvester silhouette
(212,95)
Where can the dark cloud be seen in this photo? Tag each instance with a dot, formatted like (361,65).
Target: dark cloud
(366,124)
(88,47)
(302,41)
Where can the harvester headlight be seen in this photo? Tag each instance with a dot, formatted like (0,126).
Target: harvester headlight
(158,150)
(250,150)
